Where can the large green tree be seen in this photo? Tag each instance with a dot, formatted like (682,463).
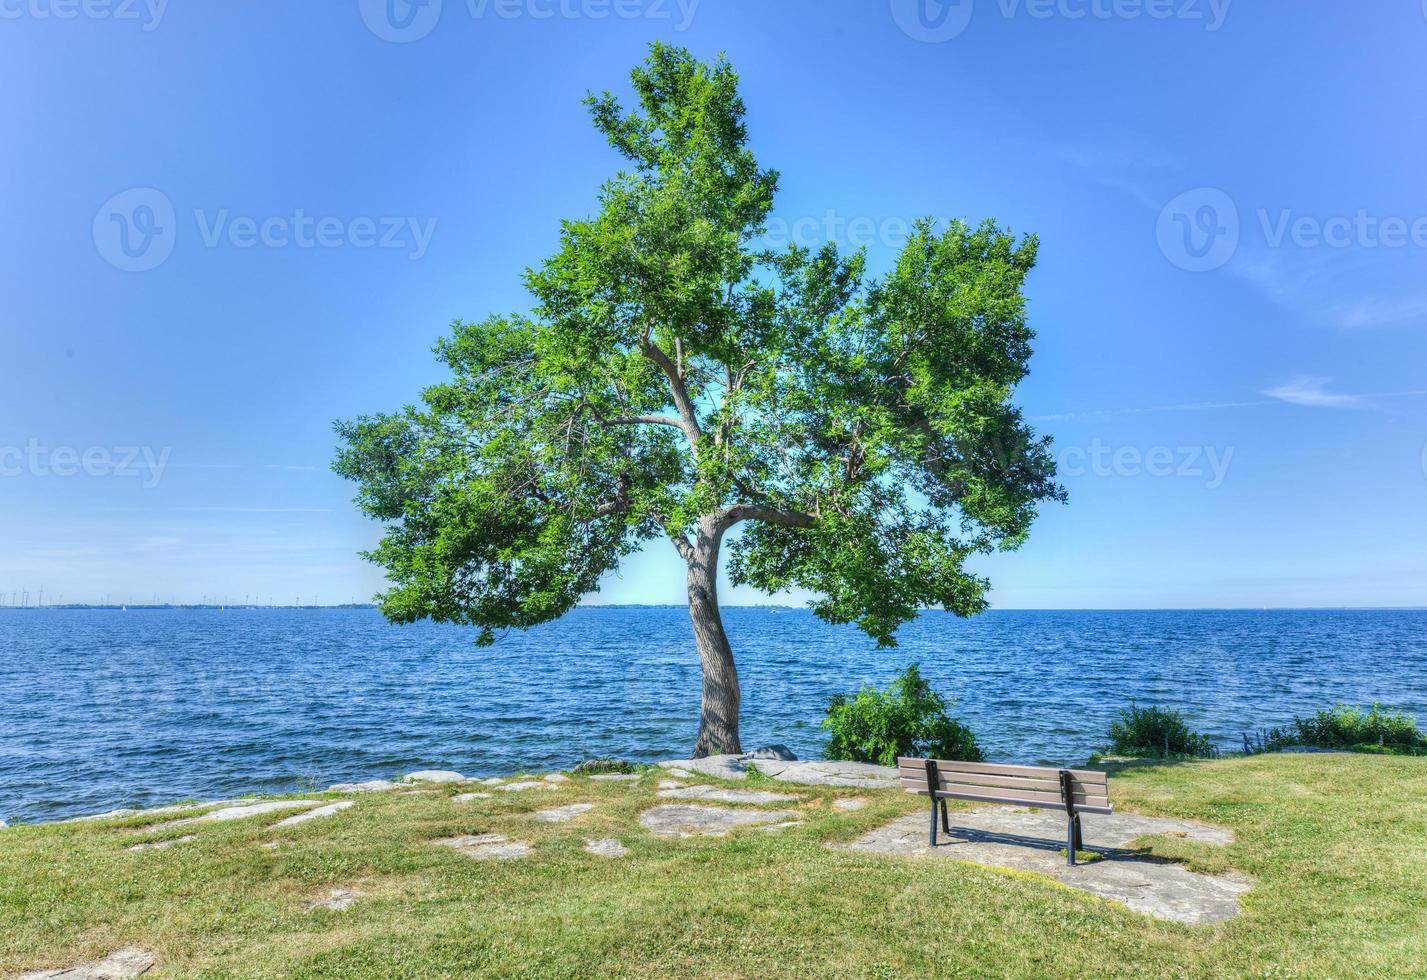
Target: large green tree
(675,381)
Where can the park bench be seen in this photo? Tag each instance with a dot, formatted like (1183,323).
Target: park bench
(1075,791)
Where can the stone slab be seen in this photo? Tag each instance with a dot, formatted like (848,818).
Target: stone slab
(435,776)
(563,814)
(616,777)
(675,820)
(468,797)
(487,847)
(718,766)
(241,812)
(1034,840)
(161,845)
(337,900)
(606,847)
(120,963)
(370,786)
(723,795)
(317,814)
(859,775)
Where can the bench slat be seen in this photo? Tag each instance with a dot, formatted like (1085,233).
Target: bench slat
(1014,801)
(990,769)
(980,779)
(1042,798)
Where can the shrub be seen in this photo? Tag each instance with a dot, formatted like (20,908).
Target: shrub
(592,767)
(1343,727)
(1156,732)
(907,719)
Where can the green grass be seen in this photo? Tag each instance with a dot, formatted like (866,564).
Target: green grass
(1338,844)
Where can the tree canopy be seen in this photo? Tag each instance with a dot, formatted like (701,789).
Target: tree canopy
(674,379)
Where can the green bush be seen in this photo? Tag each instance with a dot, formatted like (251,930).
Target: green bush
(907,719)
(1344,727)
(1156,732)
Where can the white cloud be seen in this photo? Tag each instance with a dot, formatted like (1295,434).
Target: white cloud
(1312,392)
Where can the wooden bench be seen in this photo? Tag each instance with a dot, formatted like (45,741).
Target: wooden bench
(1075,791)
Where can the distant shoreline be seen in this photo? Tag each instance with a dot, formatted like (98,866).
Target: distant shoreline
(132,607)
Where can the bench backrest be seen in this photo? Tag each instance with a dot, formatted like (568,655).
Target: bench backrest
(983,782)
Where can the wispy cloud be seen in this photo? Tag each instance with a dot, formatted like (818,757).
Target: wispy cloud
(1306,390)
(1311,391)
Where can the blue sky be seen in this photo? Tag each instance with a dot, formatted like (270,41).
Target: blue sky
(1230,300)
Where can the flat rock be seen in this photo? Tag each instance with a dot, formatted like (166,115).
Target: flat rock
(487,847)
(670,784)
(435,776)
(861,775)
(527,784)
(849,804)
(556,777)
(370,786)
(317,814)
(719,766)
(161,845)
(1026,840)
(563,814)
(680,773)
(782,826)
(674,820)
(241,812)
(723,795)
(158,811)
(120,963)
(606,847)
(338,900)
(418,792)
(468,797)
(778,752)
(617,777)
(493,781)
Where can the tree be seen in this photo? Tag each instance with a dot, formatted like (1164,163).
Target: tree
(673,380)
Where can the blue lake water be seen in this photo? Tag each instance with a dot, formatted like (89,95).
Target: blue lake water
(101,708)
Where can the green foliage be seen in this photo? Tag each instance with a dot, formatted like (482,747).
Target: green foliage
(1156,732)
(591,767)
(1379,730)
(907,719)
(673,380)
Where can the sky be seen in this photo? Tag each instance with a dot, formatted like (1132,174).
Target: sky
(224,226)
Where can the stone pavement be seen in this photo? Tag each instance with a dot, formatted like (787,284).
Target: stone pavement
(1027,840)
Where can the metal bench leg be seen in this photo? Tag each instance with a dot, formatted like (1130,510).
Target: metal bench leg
(1070,841)
(1079,838)
(934,784)
(945,820)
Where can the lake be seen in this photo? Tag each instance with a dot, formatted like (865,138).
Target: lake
(106,708)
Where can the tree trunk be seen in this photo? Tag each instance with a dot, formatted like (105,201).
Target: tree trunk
(718,714)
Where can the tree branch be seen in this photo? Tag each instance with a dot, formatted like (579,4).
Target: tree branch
(730,516)
(680,393)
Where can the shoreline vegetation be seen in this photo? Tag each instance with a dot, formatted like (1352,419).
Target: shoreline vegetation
(574,874)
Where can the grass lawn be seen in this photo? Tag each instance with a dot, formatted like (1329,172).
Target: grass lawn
(1338,845)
